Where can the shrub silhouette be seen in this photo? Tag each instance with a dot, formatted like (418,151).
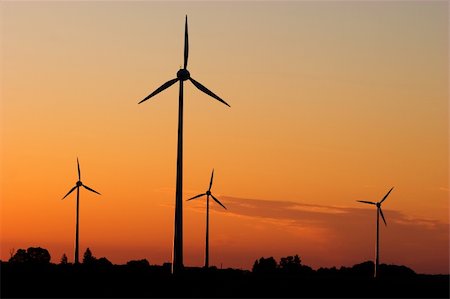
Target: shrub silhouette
(328,271)
(103,262)
(91,261)
(363,269)
(138,263)
(396,270)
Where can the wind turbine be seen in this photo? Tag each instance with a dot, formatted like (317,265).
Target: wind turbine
(379,212)
(182,75)
(77,186)
(208,193)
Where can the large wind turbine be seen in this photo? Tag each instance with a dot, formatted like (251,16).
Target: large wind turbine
(77,186)
(208,193)
(182,75)
(379,212)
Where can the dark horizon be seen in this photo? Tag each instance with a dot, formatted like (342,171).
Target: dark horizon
(288,277)
(47,259)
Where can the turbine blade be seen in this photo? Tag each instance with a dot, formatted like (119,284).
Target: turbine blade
(71,190)
(218,201)
(369,202)
(161,88)
(79,172)
(90,189)
(382,216)
(384,198)
(200,195)
(211,181)
(207,91)
(186,44)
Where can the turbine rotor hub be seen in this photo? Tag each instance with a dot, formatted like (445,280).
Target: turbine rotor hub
(378,205)
(183,74)
(79,183)
(208,192)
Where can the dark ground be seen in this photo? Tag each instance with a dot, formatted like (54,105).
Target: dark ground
(63,281)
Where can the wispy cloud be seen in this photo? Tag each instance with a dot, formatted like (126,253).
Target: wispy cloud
(318,214)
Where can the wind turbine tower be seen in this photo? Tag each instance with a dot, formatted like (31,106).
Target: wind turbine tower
(208,194)
(77,186)
(379,212)
(182,75)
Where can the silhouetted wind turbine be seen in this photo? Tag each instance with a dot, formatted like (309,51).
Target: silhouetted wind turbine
(379,212)
(182,75)
(208,193)
(77,186)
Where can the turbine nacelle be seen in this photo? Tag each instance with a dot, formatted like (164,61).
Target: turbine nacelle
(378,205)
(79,183)
(183,74)
(208,193)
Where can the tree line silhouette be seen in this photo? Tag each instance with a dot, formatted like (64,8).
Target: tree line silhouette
(29,273)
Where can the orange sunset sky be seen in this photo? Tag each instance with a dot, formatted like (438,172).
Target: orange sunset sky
(331,102)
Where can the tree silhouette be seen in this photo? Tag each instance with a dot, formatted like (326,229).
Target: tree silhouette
(20,256)
(35,255)
(290,264)
(88,258)
(64,259)
(38,255)
(265,266)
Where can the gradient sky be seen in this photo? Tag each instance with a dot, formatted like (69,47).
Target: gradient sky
(331,102)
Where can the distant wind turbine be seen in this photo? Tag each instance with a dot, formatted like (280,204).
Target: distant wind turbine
(208,193)
(379,212)
(182,75)
(77,186)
